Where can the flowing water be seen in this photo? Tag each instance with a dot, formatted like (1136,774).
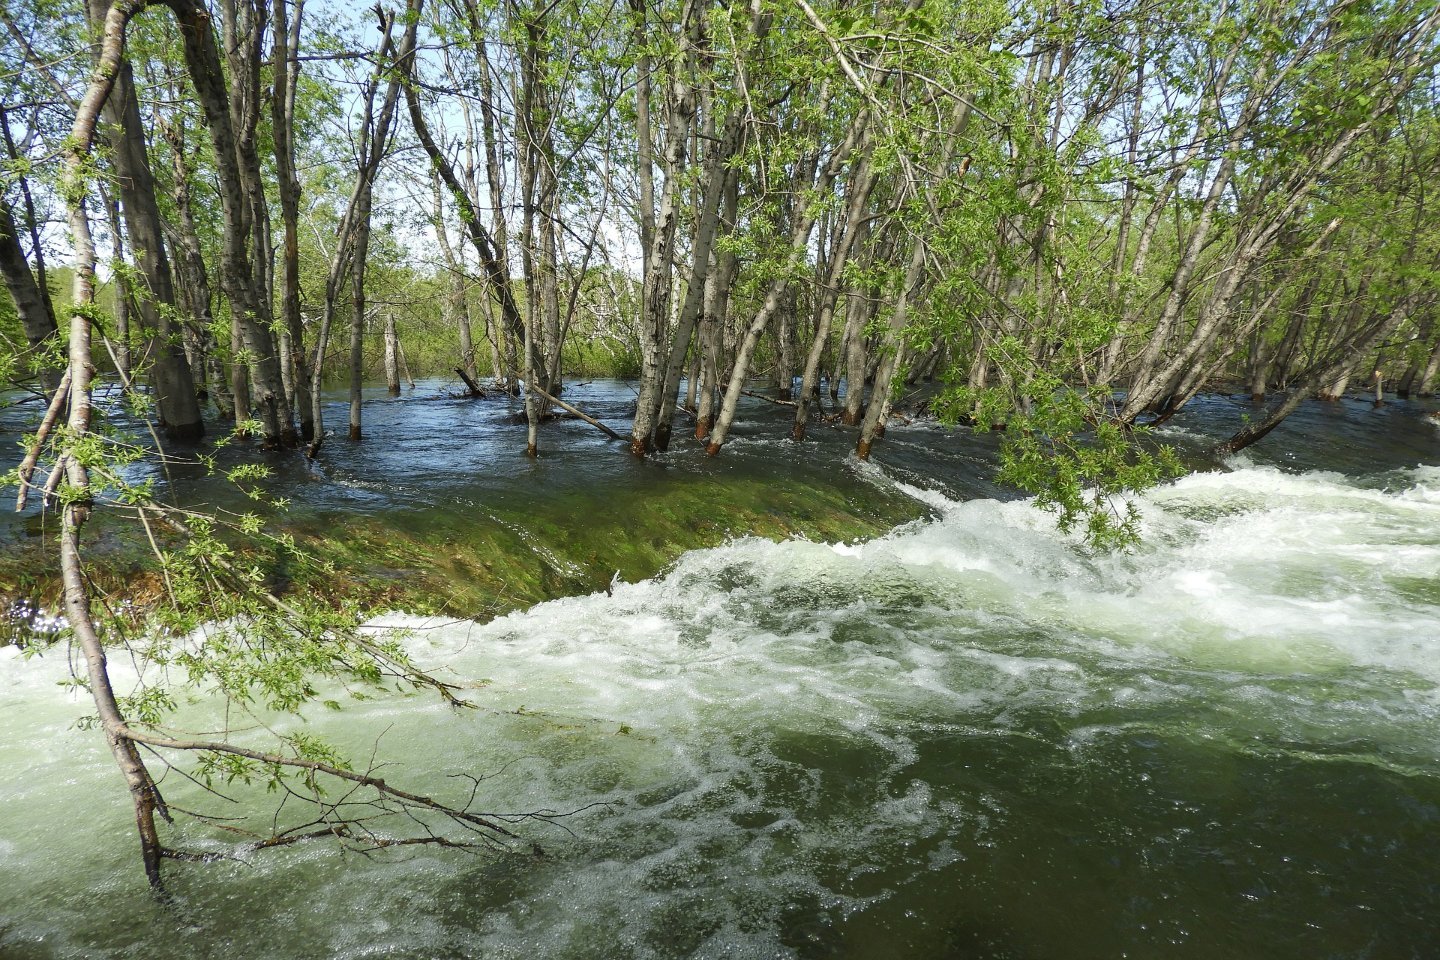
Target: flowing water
(969,738)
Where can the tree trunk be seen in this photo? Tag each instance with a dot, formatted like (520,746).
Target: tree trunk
(245,268)
(239,376)
(785,347)
(858,312)
(352,240)
(240,186)
(357,313)
(78,148)
(285,68)
(404,364)
(1335,389)
(878,409)
(194,276)
(459,303)
(392,356)
(716,188)
(1426,382)
(856,226)
(175,400)
(660,253)
(124,295)
(692,376)
(27,288)
(490,248)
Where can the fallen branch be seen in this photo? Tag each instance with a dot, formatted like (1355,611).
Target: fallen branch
(761,396)
(478,822)
(32,456)
(579,413)
(474,388)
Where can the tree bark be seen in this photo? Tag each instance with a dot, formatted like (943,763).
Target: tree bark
(175,400)
(392,356)
(194,276)
(285,69)
(716,178)
(32,301)
(78,149)
(878,409)
(862,184)
(660,252)
(459,304)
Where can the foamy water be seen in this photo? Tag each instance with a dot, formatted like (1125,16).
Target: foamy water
(970,738)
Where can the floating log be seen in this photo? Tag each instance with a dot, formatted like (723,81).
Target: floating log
(761,396)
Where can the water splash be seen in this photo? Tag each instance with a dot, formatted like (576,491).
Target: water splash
(972,737)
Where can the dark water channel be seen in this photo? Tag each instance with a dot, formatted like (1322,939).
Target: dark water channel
(969,738)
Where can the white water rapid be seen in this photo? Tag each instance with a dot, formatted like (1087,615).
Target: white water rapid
(970,738)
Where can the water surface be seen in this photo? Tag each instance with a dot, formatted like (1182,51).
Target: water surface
(970,738)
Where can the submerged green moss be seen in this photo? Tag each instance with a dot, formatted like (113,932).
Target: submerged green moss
(483,562)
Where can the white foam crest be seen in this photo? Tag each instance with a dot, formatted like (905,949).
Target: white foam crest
(1246,564)
(1239,574)
(872,472)
(931,498)
(1252,569)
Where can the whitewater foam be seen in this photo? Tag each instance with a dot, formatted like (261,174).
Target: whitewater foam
(788,749)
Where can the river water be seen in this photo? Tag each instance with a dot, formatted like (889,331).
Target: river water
(970,738)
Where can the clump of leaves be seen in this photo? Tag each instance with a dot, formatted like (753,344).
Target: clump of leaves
(1061,445)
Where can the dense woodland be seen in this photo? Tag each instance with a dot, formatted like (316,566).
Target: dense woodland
(1014,199)
(1073,216)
